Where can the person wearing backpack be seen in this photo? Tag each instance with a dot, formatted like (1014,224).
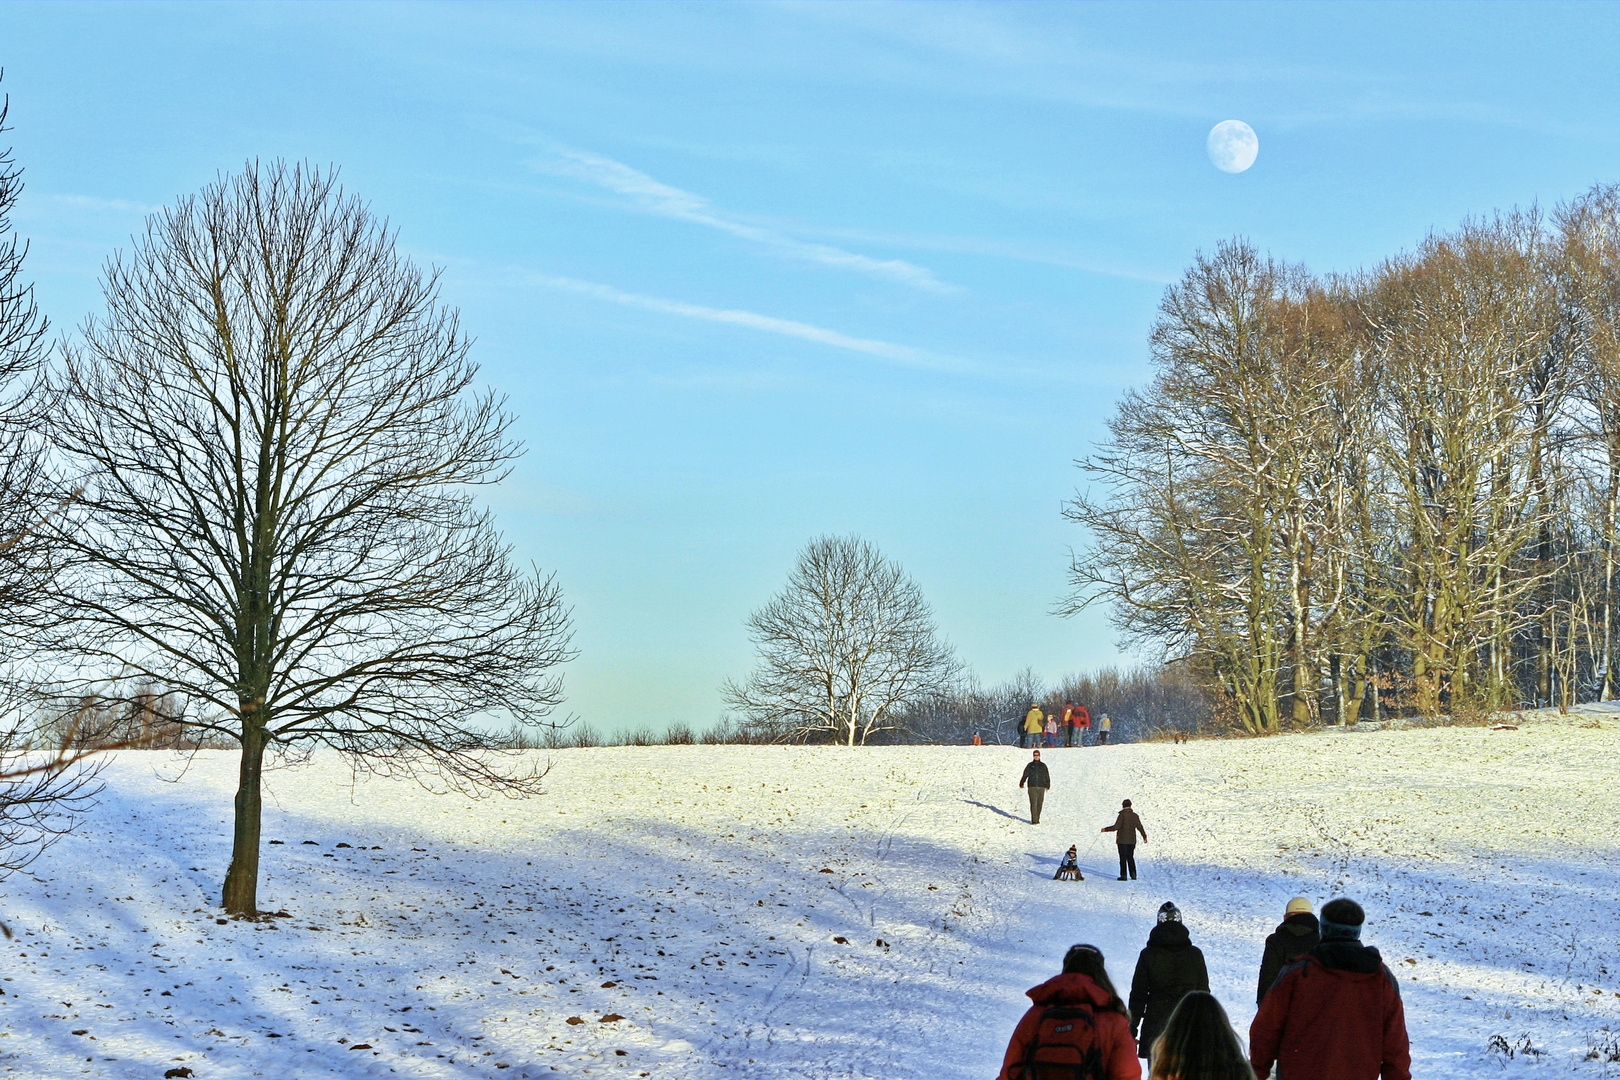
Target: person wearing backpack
(1198,1043)
(1169,968)
(1076,1029)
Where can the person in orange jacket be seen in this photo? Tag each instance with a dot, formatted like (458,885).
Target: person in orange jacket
(1076,1017)
(1334,1013)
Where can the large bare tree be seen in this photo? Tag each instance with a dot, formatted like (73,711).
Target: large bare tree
(842,648)
(280,442)
(40,789)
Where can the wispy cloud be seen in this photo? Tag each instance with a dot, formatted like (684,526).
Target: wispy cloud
(903,354)
(94,203)
(1007,249)
(654,197)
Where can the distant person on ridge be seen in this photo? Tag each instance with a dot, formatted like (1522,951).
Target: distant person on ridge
(1168,968)
(1076,1027)
(1105,724)
(1034,722)
(1068,723)
(1038,780)
(1082,720)
(1334,1013)
(1297,934)
(1051,730)
(1125,828)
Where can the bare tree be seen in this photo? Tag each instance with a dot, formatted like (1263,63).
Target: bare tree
(1458,331)
(1214,540)
(40,789)
(1589,239)
(842,648)
(279,438)
(26,498)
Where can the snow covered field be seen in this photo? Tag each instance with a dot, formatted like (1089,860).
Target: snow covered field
(703,912)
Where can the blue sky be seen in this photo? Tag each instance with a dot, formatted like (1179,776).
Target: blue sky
(750,273)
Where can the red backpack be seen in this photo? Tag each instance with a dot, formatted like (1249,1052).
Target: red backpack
(1064,1047)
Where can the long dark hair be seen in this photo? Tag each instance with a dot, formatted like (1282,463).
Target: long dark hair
(1198,1043)
(1088,960)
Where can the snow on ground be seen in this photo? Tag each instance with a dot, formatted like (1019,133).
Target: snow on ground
(705,912)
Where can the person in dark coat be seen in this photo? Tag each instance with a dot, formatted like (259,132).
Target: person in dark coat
(1298,933)
(1334,1013)
(1168,968)
(1125,828)
(1038,780)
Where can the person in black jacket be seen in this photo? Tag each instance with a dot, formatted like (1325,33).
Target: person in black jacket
(1296,935)
(1038,781)
(1168,968)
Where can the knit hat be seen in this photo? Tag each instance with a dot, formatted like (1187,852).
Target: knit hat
(1297,906)
(1342,919)
(1168,912)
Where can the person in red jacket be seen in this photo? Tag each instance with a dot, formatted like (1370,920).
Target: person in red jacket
(1077,1021)
(1334,1013)
(1082,722)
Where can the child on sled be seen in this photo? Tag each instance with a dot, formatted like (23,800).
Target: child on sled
(1069,868)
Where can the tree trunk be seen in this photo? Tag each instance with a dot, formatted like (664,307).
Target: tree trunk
(241,893)
(1606,692)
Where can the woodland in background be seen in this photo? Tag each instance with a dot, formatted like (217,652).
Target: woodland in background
(1392,493)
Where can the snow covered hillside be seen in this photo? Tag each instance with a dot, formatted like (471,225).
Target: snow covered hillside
(703,912)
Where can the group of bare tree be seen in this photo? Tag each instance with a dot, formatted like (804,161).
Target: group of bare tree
(1394,490)
(242,502)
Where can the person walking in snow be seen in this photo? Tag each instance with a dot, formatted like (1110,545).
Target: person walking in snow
(1125,828)
(1169,967)
(1077,1026)
(1034,723)
(1334,1013)
(1082,721)
(1105,724)
(1037,779)
(1298,933)
(1198,1043)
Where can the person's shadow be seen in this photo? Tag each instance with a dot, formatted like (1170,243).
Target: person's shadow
(999,810)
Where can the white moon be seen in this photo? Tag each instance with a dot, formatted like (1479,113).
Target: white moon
(1233,145)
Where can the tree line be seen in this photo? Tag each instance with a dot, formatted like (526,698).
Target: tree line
(238,507)
(1396,491)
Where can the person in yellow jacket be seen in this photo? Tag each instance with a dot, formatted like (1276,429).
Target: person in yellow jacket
(1034,724)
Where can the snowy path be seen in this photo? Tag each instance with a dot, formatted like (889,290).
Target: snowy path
(699,894)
